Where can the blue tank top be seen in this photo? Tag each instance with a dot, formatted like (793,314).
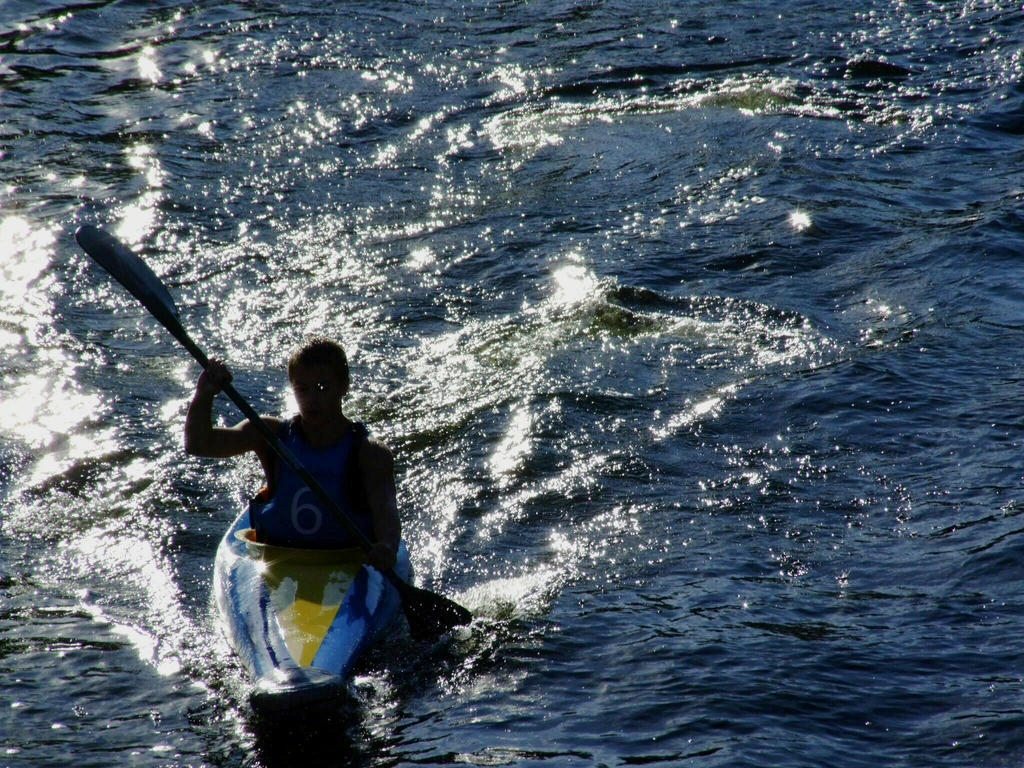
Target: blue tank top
(294,516)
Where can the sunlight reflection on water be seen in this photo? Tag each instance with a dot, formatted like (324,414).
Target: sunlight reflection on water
(139,218)
(26,252)
(583,284)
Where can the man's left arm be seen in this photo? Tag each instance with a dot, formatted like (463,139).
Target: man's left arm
(378,469)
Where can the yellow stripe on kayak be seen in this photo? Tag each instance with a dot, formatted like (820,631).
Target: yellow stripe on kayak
(306,588)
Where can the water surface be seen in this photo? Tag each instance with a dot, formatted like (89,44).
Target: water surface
(696,330)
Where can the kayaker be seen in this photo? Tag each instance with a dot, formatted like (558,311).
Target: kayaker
(355,470)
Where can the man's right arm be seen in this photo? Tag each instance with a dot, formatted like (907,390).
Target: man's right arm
(202,438)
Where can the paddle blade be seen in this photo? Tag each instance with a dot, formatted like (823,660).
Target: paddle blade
(131,272)
(430,615)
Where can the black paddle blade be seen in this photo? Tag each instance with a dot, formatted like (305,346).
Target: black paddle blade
(131,272)
(430,615)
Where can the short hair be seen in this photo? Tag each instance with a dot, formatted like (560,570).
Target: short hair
(320,350)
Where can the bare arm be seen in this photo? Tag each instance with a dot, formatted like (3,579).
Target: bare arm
(202,438)
(377,465)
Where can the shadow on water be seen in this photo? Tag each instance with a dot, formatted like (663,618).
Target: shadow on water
(327,735)
(370,726)
(362,728)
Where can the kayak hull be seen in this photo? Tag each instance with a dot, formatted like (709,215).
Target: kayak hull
(299,619)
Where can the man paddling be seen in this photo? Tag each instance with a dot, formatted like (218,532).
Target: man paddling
(357,472)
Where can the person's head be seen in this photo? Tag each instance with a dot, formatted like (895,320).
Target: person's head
(318,367)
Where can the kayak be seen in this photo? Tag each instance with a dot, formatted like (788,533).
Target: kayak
(299,619)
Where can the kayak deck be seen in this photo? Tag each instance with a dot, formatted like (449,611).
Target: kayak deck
(299,619)
(306,589)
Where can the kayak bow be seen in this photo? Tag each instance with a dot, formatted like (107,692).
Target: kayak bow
(299,619)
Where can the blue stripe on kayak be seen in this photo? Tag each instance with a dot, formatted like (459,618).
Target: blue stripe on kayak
(348,632)
(240,600)
(253,630)
(355,626)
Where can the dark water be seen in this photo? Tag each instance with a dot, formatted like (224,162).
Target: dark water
(697,330)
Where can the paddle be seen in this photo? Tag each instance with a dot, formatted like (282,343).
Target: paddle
(428,614)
